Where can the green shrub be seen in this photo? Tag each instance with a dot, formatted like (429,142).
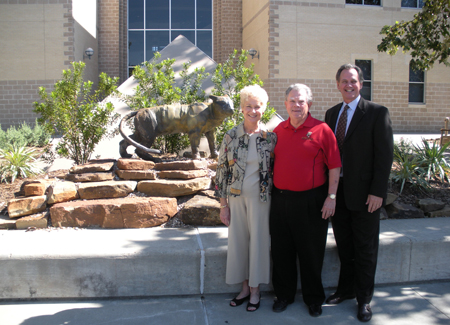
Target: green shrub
(16,137)
(17,162)
(75,111)
(24,136)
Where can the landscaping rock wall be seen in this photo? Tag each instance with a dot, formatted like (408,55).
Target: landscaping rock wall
(128,193)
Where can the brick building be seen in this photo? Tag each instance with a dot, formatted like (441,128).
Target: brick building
(297,41)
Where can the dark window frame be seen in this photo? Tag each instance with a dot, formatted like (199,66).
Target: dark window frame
(364,2)
(419,4)
(366,91)
(416,81)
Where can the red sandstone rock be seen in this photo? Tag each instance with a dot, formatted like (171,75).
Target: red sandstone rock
(89,177)
(182,165)
(136,174)
(93,167)
(134,212)
(183,174)
(173,188)
(62,192)
(104,190)
(134,164)
(26,206)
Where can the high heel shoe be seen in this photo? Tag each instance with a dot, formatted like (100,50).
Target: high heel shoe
(256,306)
(238,302)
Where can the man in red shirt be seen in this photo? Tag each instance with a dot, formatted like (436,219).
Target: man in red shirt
(306,176)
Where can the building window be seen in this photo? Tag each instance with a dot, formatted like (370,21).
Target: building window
(364,2)
(412,4)
(366,67)
(416,86)
(153,24)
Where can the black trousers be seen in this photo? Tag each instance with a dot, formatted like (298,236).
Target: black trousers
(357,239)
(298,231)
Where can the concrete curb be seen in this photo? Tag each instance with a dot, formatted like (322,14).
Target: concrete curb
(98,263)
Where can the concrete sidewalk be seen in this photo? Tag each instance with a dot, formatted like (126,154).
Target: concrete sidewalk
(424,303)
(72,263)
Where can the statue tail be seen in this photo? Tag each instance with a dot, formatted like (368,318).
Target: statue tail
(131,141)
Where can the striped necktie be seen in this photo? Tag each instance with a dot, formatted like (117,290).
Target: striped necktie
(341,128)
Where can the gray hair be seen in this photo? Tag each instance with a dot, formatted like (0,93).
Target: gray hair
(300,87)
(349,66)
(254,91)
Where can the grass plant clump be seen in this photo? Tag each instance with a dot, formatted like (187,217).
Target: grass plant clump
(17,162)
(419,165)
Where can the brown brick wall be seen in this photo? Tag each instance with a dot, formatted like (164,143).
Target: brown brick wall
(112,36)
(227,28)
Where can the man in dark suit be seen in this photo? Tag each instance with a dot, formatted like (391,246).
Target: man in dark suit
(364,135)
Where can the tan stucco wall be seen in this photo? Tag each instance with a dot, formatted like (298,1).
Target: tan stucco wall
(255,33)
(85,36)
(32,41)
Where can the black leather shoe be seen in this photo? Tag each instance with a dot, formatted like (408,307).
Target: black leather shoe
(315,310)
(280,305)
(337,298)
(364,312)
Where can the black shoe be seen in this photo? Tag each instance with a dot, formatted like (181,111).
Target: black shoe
(364,312)
(315,310)
(280,305)
(256,306)
(238,302)
(337,298)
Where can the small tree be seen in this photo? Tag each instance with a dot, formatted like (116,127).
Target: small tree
(73,110)
(426,36)
(229,79)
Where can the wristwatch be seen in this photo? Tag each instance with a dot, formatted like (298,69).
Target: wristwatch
(332,196)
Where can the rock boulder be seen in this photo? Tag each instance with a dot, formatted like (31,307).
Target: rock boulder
(26,206)
(173,188)
(104,190)
(136,212)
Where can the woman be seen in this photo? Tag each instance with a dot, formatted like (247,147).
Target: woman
(243,184)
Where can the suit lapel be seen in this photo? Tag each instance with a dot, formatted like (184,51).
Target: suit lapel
(333,118)
(357,116)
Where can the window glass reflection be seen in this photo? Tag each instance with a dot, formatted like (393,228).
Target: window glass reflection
(157,14)
(135,48)
(155,41)
(416,93)
(204,10)
(204,42)
(183,14)
(136,14)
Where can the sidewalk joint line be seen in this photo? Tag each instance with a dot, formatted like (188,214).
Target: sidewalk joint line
(202,262)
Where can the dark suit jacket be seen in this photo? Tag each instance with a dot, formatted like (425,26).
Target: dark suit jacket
(367,152)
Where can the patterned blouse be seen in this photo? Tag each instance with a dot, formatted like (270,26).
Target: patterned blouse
(233,160)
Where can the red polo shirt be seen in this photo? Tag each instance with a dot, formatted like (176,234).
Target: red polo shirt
(304,154)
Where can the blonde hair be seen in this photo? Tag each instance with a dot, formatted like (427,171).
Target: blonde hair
(254,91)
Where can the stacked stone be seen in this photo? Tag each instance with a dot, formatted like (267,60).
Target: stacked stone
(95,184)
(175,179)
